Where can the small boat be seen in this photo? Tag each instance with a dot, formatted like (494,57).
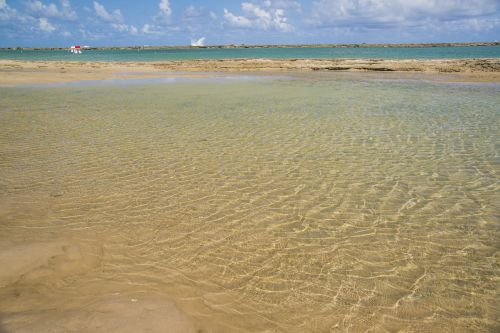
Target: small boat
(76,49)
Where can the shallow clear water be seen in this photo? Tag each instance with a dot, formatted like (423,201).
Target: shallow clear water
(307,205)
(453,52)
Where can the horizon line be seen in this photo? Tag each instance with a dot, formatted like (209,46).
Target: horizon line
(232,45)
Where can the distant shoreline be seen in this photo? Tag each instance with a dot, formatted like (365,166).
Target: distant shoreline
(243,46)
(19,72)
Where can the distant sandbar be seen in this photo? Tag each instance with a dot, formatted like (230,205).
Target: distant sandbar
(15,72)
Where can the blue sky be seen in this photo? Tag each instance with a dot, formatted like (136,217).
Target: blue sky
(181,22)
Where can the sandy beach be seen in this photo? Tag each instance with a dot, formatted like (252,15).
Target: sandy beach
(14,72)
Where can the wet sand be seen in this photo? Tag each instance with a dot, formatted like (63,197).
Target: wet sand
(14,72)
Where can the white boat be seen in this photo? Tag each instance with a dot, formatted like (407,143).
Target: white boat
(76,49)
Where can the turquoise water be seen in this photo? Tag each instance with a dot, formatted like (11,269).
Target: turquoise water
(273,53)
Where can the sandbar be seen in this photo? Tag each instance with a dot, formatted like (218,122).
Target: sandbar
(18,72)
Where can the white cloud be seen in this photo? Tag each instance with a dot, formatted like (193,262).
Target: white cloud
(161,20)
(236,21)
(45,25)
(165,7)
(147,29)
(18,25)
(283,4)
(101,12)
(280,21)
(67,11)
(258,17)
(7,13)
(382,14)
(165,11)
(38,8)
(116,23)
(17,21)
(122,27)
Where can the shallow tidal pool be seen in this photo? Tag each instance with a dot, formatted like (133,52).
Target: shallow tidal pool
(311,204)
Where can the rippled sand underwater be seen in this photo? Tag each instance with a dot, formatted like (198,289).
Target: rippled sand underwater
(303,205)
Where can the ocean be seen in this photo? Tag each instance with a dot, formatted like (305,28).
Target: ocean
(315,203)
(454,52)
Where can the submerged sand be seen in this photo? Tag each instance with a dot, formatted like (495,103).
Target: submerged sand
(29,266)
(297,206)
(13,72)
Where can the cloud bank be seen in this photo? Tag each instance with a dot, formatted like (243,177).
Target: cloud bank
(33,22)
(264,17)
